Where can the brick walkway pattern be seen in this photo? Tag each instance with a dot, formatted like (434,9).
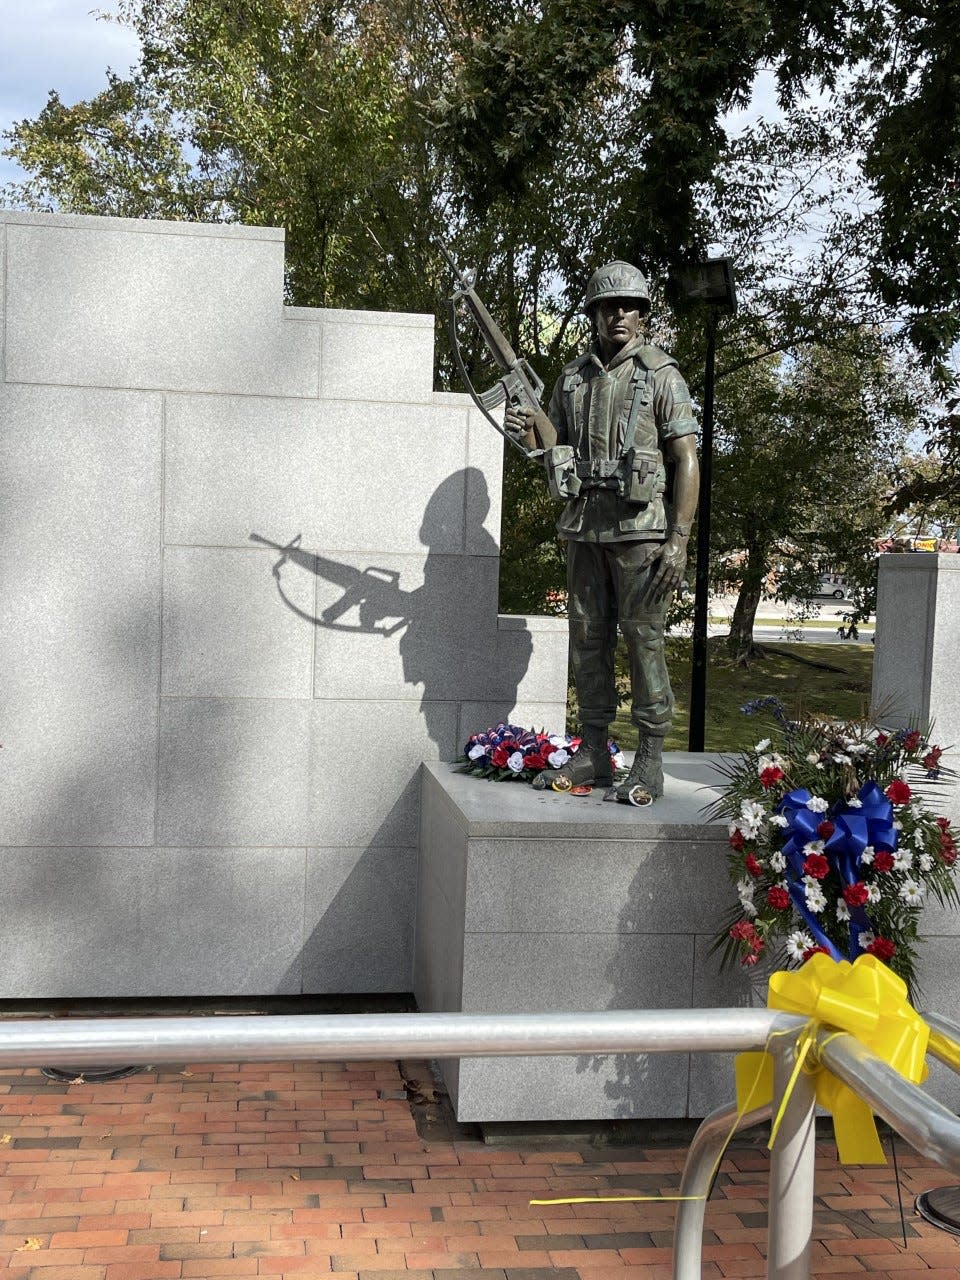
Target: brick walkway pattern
(317,1169)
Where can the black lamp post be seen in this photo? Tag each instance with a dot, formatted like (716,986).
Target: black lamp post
(709,283)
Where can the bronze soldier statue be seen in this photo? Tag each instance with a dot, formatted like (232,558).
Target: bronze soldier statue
(620,450)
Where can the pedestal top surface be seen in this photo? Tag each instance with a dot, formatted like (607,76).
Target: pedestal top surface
(691,783)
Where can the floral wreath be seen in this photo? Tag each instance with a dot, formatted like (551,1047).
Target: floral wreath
(509,753)
(832,848)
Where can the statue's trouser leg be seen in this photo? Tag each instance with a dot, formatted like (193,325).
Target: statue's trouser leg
(592,603)
(642,624)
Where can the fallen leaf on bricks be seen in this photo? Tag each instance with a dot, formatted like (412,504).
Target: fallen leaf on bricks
(4,1139)
(30,1244)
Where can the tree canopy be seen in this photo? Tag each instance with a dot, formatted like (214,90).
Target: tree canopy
(544,138)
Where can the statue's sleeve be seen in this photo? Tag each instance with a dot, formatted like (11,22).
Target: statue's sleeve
(671,405)
(555,413)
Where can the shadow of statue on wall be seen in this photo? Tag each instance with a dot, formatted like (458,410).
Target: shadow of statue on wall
(444,629)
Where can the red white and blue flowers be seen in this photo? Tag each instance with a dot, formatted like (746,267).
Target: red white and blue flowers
(831,846)
(507,752)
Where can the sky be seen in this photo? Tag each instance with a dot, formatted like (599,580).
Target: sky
(55,44)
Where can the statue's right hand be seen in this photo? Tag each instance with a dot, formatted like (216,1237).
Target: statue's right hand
(530,426)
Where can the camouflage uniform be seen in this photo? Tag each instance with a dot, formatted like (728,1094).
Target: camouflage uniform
(617,420)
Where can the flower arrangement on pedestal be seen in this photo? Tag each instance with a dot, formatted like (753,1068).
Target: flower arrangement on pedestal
(508,753)
(832,846)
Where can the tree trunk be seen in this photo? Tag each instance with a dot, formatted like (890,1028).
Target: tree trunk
(740,642)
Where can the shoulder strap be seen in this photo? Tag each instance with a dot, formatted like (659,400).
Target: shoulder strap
(653,358)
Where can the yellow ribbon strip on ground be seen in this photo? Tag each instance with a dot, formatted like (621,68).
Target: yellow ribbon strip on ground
(864,999)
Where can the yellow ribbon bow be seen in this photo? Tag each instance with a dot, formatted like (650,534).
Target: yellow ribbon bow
(864,999)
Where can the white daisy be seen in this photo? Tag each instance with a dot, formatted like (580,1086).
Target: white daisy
(797,943)
(867,856)
(778,820)
(926,862)
(843,911)
(778,861)
(817,804)
(867,938)
(902,859)
(873,893)
(911,893)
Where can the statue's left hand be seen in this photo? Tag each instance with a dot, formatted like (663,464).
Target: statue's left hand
(670,564)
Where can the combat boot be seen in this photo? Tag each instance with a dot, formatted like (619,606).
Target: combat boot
(644,783)
(591,766)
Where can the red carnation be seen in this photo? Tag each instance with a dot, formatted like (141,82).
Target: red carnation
(826,829)
(883,860)
(882,948)
(882,739)
(815,951)
(778,898)
(743,931)
(750,959)
(737,840)
(816,865)
(535,760)
(911,741)
(855,895)
(773,773)
(898,792)
(500,757)
(948,853)
(942,823)
(752,865)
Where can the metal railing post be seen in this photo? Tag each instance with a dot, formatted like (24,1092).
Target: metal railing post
(790,1224)
(706,1149)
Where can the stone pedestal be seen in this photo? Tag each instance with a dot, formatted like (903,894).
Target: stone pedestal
(532,901)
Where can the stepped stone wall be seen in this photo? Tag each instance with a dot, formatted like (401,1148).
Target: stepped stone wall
(208,782)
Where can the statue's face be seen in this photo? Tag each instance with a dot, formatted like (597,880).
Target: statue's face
(618,322)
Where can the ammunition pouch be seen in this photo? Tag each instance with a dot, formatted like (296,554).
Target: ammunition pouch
(563,481)
(644,477)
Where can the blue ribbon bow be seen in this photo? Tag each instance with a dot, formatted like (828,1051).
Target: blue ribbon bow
(854,829)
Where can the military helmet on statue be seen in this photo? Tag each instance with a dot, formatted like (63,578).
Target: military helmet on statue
(617,280)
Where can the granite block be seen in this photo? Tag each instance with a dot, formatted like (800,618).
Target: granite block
(233,769)
(226,630)
(441,898)
(484,481)
(613,1086)
(79,615)
(358,913)
(94,305)
(161,922)
(320,473)
(711,1074)
(516,886)
(370,355)
(516,972)
(903,645)
(692,783)
(364,765)
(378,635)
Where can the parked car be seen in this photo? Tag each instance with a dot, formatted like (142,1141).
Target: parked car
(834,586)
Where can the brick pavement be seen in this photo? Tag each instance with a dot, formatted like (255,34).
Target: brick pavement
(319,1170)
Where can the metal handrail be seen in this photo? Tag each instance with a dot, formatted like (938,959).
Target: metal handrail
(91,1042)
(930,1128)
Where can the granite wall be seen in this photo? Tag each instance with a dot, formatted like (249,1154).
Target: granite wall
(208,782)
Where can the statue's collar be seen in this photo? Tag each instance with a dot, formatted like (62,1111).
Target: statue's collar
(622,356)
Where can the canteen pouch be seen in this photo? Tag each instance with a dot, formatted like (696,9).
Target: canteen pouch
(562,480)
(643,475)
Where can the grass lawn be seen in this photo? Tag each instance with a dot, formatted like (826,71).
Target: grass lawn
(829,678)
